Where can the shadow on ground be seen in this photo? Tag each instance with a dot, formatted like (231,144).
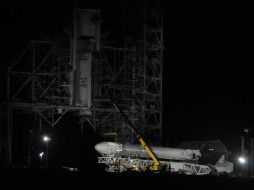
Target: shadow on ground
(93,179)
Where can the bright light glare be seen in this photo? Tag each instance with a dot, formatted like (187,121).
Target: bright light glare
(242,160)
(41,154)
(46,138)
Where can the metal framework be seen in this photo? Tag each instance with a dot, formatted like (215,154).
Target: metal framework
(150,71)
(133,75)
(38,81)
(113,71)
(3,133)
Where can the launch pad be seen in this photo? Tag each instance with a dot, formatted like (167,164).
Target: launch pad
(118,164)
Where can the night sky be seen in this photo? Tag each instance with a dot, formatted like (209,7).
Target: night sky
(208,57)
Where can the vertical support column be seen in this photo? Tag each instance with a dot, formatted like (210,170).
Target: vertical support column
(144,63)
(242,146)
(40,123)
(30,133)
(81,127)
(133,95)
(153,70)
(161,79)
(52,117)
(9,131)
(47,154)
(74,55)
(57,56)
(33,73)
(8,121)
(244,168)
(251,157)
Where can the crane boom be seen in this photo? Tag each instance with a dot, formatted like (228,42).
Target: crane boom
(141,140)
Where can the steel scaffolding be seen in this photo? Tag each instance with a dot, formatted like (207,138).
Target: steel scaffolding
(38,82)
(3,132)
(41,80)
(114,72)
(133,75)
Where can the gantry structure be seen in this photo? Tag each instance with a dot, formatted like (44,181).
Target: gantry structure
(133,75)
(76,71)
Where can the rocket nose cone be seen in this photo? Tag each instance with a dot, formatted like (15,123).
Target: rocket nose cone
(101,147)
(107,148)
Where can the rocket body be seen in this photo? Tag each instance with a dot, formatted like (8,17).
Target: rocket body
(167,153)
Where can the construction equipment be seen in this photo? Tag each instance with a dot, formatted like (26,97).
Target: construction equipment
(156,165)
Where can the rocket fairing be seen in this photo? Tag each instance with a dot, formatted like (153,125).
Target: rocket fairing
(167,153)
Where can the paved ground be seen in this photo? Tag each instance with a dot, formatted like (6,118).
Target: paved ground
(95,179)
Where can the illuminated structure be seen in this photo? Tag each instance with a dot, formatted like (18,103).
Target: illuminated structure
(75,71)
(133,75)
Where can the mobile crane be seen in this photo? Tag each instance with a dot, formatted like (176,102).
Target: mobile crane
(156,166)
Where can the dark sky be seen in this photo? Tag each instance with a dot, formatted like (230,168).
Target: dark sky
(208,76)
(208,67)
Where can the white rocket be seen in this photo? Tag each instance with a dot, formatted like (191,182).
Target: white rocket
(116,149)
